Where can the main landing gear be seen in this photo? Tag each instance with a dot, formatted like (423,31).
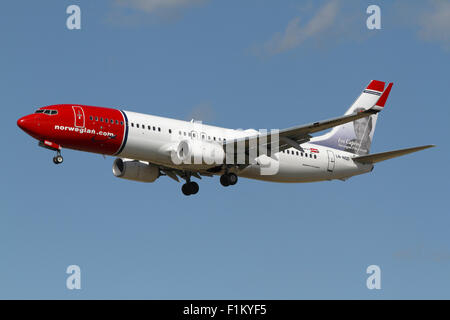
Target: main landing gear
(58,159)
(189,188)
(228,179)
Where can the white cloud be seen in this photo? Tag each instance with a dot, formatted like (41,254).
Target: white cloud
(152,6)
(295,34)
(137,12)
(434,23)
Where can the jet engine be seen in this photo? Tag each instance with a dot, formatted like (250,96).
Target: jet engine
(198,152)
(135,170)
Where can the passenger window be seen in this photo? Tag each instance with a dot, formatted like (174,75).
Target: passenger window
(143,126)
(149,128)
(185,134)
(159,129)
(101,119)
(132,124)
(214,138)
(137,125)
(91,118)
(106,120)
(315,157)
(310,155)
(179,132)
(170,130)
(154,129)
(117,121)
(296,152)
(121,123)
(96,118)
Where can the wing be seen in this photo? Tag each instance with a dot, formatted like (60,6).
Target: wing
(291,137)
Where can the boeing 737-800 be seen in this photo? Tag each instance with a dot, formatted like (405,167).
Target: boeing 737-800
(148,147)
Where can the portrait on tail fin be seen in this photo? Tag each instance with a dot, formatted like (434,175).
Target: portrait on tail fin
(363,135)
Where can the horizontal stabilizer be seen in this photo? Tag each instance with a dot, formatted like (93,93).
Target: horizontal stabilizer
(377,157)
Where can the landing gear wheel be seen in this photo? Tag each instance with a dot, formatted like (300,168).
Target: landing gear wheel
(228,179)
(185,189)
(232,179)
(190,188)
(58,159)
(225,180)
(194,187)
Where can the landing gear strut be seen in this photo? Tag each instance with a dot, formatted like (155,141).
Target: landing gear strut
(228,179)
(58,159)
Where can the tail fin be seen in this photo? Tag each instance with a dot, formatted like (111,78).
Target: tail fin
(356,137)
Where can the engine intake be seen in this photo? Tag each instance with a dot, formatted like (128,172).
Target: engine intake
(135,170)
(198,152)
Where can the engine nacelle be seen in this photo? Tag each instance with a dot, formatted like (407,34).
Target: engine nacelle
(198,152)
(135,170)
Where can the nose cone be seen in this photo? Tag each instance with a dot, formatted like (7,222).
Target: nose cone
(27,124)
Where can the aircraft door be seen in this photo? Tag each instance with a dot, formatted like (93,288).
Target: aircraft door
(331,161)
(79,116)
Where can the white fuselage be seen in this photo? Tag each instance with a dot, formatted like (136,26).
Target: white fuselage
(153,139)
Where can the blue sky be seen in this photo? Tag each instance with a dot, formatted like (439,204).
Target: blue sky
(236,64)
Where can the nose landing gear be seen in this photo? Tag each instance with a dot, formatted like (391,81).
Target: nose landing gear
(58,159)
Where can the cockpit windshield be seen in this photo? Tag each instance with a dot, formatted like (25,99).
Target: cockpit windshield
(47,111)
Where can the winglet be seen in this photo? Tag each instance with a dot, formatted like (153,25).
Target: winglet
(382,101)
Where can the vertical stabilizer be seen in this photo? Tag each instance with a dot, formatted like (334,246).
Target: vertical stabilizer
(356,137)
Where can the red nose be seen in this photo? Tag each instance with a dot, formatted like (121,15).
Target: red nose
(28,124)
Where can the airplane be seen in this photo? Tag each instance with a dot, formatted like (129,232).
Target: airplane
(147,147)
